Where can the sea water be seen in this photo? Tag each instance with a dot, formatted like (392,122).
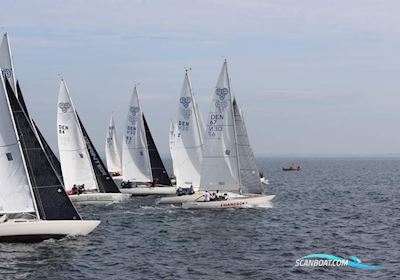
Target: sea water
(339,206)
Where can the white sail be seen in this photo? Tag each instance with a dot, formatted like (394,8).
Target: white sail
(188,142)
(113,152)
(6,62)
(15,191)
(249,174)
(135,154)
(74,157)
(220,166)
(172,135)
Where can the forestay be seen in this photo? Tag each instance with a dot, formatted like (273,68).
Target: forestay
(186,134)
(74,158)
(249,174)
(219,168)
(135,154)
(113,152)
(15,194)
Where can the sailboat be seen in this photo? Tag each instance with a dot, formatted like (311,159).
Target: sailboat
(6,63)
(33,203)
(228,165)
(86,178)
(143,172)
(186,146)
(113,152)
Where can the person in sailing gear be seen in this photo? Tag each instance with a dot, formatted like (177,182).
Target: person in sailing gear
(191,190)
(207,196)
(180,191)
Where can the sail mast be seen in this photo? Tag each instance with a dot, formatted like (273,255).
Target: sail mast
(195,109)
(234,127)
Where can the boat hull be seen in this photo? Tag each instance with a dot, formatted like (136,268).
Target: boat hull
(146,190)
(180,199)
(99,198)
(237,202)
(22,230)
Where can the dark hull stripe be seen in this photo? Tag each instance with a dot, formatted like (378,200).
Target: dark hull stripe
(30,238)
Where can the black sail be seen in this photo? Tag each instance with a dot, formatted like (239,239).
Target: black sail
(160,175)
(51,200)
(47,149)
(49,152)
(104,180)
(21,99)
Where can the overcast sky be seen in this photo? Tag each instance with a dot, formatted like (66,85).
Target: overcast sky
(312,76)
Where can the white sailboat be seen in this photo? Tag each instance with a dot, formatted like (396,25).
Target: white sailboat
(186,146)
(228,163)
(143,172)
(113,152)
(86,179)
(33,203)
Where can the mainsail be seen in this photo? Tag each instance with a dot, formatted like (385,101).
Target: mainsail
(249,174)
(160,175)
(51,200)
(75,161)
(6,62)
(15,194)
(113,153)
(104,181)
(220,165)
(135,154)
(187,139)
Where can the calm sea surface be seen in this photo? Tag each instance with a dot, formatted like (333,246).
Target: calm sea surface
(343,207)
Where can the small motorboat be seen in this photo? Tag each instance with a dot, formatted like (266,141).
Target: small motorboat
(292,168)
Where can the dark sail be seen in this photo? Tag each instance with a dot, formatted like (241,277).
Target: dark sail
(47,149)
(21,99)
(160,175)
(49,152)
(105,182)
(51,200)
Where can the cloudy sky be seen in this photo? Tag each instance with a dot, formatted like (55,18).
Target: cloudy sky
(312,76)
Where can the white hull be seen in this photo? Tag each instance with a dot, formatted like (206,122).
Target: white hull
(99,198)
(22,230)
(180,199)
(239,202)
(146,190)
